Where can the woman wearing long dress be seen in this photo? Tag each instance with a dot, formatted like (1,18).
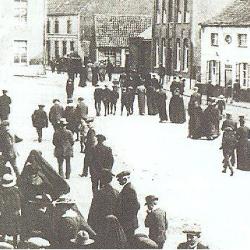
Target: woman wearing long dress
(141,91)
(177,112)
(195,122)
(161,103)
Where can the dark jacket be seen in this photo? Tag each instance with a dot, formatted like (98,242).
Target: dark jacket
(229,123)
(69,115)
(98,94)
(63,141)
(106,95)
(185,245)
(157,223)
(40,119)
(81,111)
(5,102)
(103,204)
(128,207)
(55,114)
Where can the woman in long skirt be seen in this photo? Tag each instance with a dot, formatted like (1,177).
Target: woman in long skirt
(141,91)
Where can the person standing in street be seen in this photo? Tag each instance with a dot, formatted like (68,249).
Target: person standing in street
(5,102)
(40,121)
(195,122)
(236,91)
(69,115)
(95,74)
(81,112)
(103,203)
(131,99)
(195,96)
(154,82)
(56,113)
(110,70)
(229,122)
(174,85)
(210,90)
(106,98)
(242,135)
(69,89)
(124,100)
(161,104)
(98,99)
(156,221)
(114,99)
(162,73)
(141,92)
(128,205)
(63,141)
(7,145)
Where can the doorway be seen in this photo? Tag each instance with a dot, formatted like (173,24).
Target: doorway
(228,76)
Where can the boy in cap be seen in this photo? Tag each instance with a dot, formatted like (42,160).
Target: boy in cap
(40,121)
(193,238)
(156,221)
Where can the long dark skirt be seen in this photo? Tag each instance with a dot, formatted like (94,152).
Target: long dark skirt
(141,103)
(243,156)
(177,112)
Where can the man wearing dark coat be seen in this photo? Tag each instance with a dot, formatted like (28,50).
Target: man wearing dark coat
(63,141)
(162,73)
(109,70)
(70,116)
(174,85)
(156,221)
(102,158)
(128,205)
(155,83)
(242,135)
(95,75)
(229,122)
(195,96)
(210,90)
(69,89)
(56,113)
(98,99)
(103,203)
(40,121)
(114,98)
(82,110)
(141,92)
(106,98)
(5,102)
(236,90)
(124,100)
(131,99)
(161,104)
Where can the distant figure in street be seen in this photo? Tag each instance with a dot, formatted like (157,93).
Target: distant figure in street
(63,141)
(161,104)
(102,71)
(221,104)
(229,91)
(182,85)
(177,113)
(98,99)
(114,99)
(70,116)
(155,83)
(52,65)
(40,121)
(141,92)
(95,74)
(10,208)
(5,102)
(193,238)
(195,121)
(56,113)
(210,90)
(69,89)
(174,85)
(106,98)
(103,203)
(156,221)
(81,111)
(236,91)
(83,77)
(110,70)
(229,122)
(195,96)
(128,205)
(124,100)
(7,145)
(243,134)
(151,100)
(131,99)
(162,73)
(228,146)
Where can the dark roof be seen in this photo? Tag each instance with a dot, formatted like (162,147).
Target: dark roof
(119,7)
(237,14)
(66,7)
(115,30)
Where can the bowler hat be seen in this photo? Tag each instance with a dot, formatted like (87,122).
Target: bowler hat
(41,105)
(56,100)
(193,229)
(242,118)
(123,174)
(151,198)
(82,238)
(100,138)
(80,99)
(8,180)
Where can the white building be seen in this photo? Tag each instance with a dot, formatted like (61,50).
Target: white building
(22,30)
(225,46)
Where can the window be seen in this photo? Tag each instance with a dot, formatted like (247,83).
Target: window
(157,53)
(243,73)
(69,27)
(179,15)
(178,55)
(170,11)
(64,48)
(72,46)
(114,55)
(48,26)
(48,50)
(20,11)
(158,12)
(185,55)
(20,51)
(56,26)
(186,12)
(213,72)
(164,51)
(214,39)
(56,49)
(164,12)
(242,40)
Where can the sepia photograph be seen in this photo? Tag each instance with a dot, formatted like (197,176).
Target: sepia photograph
(125,124)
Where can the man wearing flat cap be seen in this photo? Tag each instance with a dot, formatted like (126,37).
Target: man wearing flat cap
(128,205)
(56,113)
(63,141)
(102,159)
(156,221)
(5,102)
(103,203)
(229,122)
(193,238)
(40,121)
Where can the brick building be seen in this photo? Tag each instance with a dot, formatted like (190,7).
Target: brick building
(22,29)
(176,34)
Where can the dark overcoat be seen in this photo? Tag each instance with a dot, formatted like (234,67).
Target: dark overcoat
(40,119)
(5,102)
(229,123)
(55,114)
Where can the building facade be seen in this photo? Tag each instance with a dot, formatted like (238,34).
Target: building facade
(176,34)
(22,36)
(225,47)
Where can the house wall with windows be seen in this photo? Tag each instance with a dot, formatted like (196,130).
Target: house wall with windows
(225,55)
(22,36)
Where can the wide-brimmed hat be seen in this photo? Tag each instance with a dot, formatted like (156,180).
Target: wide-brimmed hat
(193,229)
(82,238)
(123,174)
(151,198)
(41,105)
(8,180)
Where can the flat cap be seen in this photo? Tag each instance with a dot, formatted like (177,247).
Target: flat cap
(151,198)
(100,138)
(123,174)
(193,229)
(56,100)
